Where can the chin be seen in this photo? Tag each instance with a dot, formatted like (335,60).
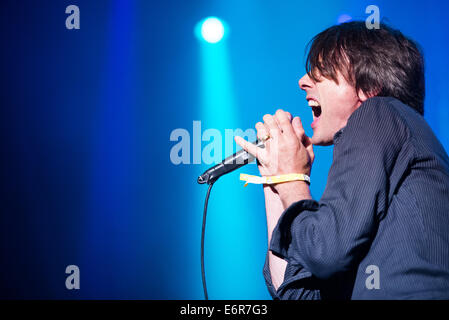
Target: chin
(321,141)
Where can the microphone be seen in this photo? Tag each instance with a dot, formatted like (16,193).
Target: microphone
(229,164)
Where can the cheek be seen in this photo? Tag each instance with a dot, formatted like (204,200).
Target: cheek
(339,100)
(331,99)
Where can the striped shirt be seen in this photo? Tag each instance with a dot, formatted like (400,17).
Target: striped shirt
(381,227)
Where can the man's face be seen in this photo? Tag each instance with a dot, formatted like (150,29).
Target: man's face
(331,103)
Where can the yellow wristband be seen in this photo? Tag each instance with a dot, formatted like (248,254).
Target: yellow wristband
(274,179)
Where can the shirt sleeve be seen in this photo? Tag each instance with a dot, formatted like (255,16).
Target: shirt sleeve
(333,235)
(298,282)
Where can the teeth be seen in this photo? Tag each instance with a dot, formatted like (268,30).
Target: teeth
(313,103)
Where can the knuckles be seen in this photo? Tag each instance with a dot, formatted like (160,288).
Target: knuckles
(259,125)
(288,145)
(279,112)
(267,117)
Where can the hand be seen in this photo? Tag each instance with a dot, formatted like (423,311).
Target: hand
(288,150)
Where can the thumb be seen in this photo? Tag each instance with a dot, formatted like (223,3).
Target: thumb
(297,126)
(307,142)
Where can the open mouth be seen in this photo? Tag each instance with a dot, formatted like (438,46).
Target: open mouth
(316,109)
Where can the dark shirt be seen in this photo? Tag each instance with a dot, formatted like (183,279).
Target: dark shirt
(385,206)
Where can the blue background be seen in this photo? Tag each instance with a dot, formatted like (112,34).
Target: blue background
(86,118)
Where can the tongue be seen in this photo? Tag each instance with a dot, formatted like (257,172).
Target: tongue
(314,123)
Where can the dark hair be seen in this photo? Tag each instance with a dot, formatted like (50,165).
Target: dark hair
(381,62)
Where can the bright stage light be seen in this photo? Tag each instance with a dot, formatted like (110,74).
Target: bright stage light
(343,18)
(212,30)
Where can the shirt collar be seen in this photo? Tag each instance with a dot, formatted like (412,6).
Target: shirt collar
(337,135)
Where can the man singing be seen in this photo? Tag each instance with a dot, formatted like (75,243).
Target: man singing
(381,228)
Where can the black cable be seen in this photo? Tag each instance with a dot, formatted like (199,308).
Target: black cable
(203,229)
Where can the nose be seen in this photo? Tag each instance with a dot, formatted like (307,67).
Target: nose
(305,82)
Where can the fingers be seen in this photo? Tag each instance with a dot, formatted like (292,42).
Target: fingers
(262,131)
(284,121)
(290,149)
(257,152)
(298,128)
(305,140)
(271,125)
(280,123)
(309,147)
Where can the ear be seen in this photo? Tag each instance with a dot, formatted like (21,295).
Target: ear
(365,96)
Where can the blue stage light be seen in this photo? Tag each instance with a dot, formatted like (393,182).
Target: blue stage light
(212,30)
(344,18)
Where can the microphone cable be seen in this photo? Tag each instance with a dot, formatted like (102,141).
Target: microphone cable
(203,231)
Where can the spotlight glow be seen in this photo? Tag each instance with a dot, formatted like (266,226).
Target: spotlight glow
(212,30)
(344,18)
